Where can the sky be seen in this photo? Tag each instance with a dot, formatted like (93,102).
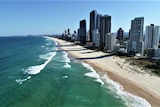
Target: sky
(38,17)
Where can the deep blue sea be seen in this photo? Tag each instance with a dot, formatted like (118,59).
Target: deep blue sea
(35,73)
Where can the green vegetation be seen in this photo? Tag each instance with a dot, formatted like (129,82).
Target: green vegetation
(157,71)
(152,65)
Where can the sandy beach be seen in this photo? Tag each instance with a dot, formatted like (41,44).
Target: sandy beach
(136,82)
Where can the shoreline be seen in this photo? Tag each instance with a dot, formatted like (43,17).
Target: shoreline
(129,86)
(100,65)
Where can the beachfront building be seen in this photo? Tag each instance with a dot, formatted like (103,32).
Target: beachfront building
(153,53)
(78,35)
(152,37)
(92,26)
(136,36)
(68,31)
(120,34)
(87,36)
(96,38)
(74,36)
(105,27)
(65,35)
(82,32)
(98,21)
(110,42)
(68,35)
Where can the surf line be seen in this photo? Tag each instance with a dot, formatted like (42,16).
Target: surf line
(33,70)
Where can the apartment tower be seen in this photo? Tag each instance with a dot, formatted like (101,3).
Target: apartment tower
(136,35)
(92,26)
(120,34)
(105,27)
(82,31)
(152,37)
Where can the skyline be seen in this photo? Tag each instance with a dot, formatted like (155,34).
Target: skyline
(53,17)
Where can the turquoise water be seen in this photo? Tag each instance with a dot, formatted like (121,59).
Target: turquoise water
(33,73)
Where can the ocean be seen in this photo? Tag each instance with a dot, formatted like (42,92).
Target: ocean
(35,73)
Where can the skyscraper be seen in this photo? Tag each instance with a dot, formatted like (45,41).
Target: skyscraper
(68,30)
(110,42)
(74,36)
(82,32)
(96,38)
(92,26)
(120,34)
(78,35)
(136,35)
(105,27)
(98,21)
(152,37)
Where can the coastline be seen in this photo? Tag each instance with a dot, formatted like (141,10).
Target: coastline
(142,85)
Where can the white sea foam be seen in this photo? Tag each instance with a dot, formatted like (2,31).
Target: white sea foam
(32,70)
(38,68)
(99,80)
(56,43)
(20,81)
(66,60)
(47,44)
(46,56)
(92,74)
(67,65)
(65,57)
(130,99)
(65,77)
(48,39)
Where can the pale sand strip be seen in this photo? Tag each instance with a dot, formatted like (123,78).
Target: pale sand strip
(143,85)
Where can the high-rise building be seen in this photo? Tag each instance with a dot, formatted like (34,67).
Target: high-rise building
(98,21)
(129,34)
(78,35)
(120,34)
(68,35)
(92,26)
(68,30)
(74,36)
(136,35)
(96,38)
(82,32)
(105,27)
(152,37)
(87,36)
(110,42)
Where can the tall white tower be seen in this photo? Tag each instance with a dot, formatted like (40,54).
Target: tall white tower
(110,41)
(152,37)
